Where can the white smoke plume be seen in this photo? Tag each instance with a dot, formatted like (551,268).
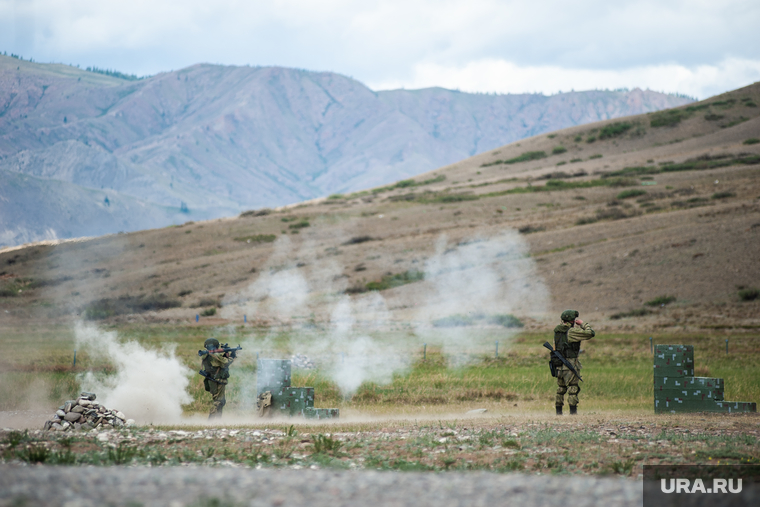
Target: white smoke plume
(149,386)
(482,276)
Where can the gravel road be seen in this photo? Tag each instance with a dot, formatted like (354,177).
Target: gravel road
(227,487)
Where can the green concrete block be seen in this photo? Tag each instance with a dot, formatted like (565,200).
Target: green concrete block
(674,355)
(690,382)
(737,406)
(272,375)
(321,413)
(293,400)
(673,371)
(682,405)
(688,394)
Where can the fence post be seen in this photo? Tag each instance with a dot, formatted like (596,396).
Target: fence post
(424,351)
(497,349)
(651,345)
(726,345)
(75,358)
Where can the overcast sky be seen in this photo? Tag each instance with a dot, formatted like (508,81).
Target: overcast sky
(696,47)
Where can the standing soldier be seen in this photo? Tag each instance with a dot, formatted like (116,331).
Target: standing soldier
(215,369)
(567,341)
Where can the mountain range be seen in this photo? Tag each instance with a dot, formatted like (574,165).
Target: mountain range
(85,153)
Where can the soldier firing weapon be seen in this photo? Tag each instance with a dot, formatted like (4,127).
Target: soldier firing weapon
(224,348)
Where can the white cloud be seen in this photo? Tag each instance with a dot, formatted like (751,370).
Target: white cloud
(403,41)
(489,75)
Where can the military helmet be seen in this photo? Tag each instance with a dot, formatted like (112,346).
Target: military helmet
(211,344)
(569,315)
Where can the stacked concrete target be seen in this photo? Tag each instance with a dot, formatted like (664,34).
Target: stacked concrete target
(273,375)
(676,389)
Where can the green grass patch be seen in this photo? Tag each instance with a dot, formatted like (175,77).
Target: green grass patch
(702,163)
(460,320)
(104,308)
(661,301)
(257,238)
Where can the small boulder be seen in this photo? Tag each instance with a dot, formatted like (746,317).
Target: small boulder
(60,413)
(72,417)
(88,396)
(78,409)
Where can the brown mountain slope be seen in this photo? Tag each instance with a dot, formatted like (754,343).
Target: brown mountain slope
(611,216)
(222,139)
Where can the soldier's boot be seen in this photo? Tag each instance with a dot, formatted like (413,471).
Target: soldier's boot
(573,409)
(559,409)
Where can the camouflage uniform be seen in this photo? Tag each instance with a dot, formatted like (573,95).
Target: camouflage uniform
(218,366)
(567,381)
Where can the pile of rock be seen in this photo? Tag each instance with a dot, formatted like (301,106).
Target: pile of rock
(85,413)
(302,361)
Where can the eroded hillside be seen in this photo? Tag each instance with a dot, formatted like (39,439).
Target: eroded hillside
(647,221)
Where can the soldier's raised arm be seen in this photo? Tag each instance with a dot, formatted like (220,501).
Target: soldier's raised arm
(580,331)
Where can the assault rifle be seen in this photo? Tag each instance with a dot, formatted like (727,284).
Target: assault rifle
(224,348)
(564,361)
(209,376)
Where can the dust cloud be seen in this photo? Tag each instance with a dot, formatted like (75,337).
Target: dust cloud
(149,386)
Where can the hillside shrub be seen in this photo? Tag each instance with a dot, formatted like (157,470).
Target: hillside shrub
(598,155)
(208,312)
(558,150)
(590,139)
(668,118)
(358,239)
(574,160)
(749,294)
(299,225)
(661,301)
(578,139)
(256,213)
(527,229)
(714,117)
(397,280)
(526,157)
(106,307)
(751,140)
(638,312)
(723,195)
(616,129)
(634,192)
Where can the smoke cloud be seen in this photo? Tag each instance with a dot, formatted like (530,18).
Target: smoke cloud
(149,386)
(476,277)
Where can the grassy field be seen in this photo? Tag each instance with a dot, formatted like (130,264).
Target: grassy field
(617,369)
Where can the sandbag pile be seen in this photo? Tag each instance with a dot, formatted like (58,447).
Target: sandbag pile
(302,361)
(85,413)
